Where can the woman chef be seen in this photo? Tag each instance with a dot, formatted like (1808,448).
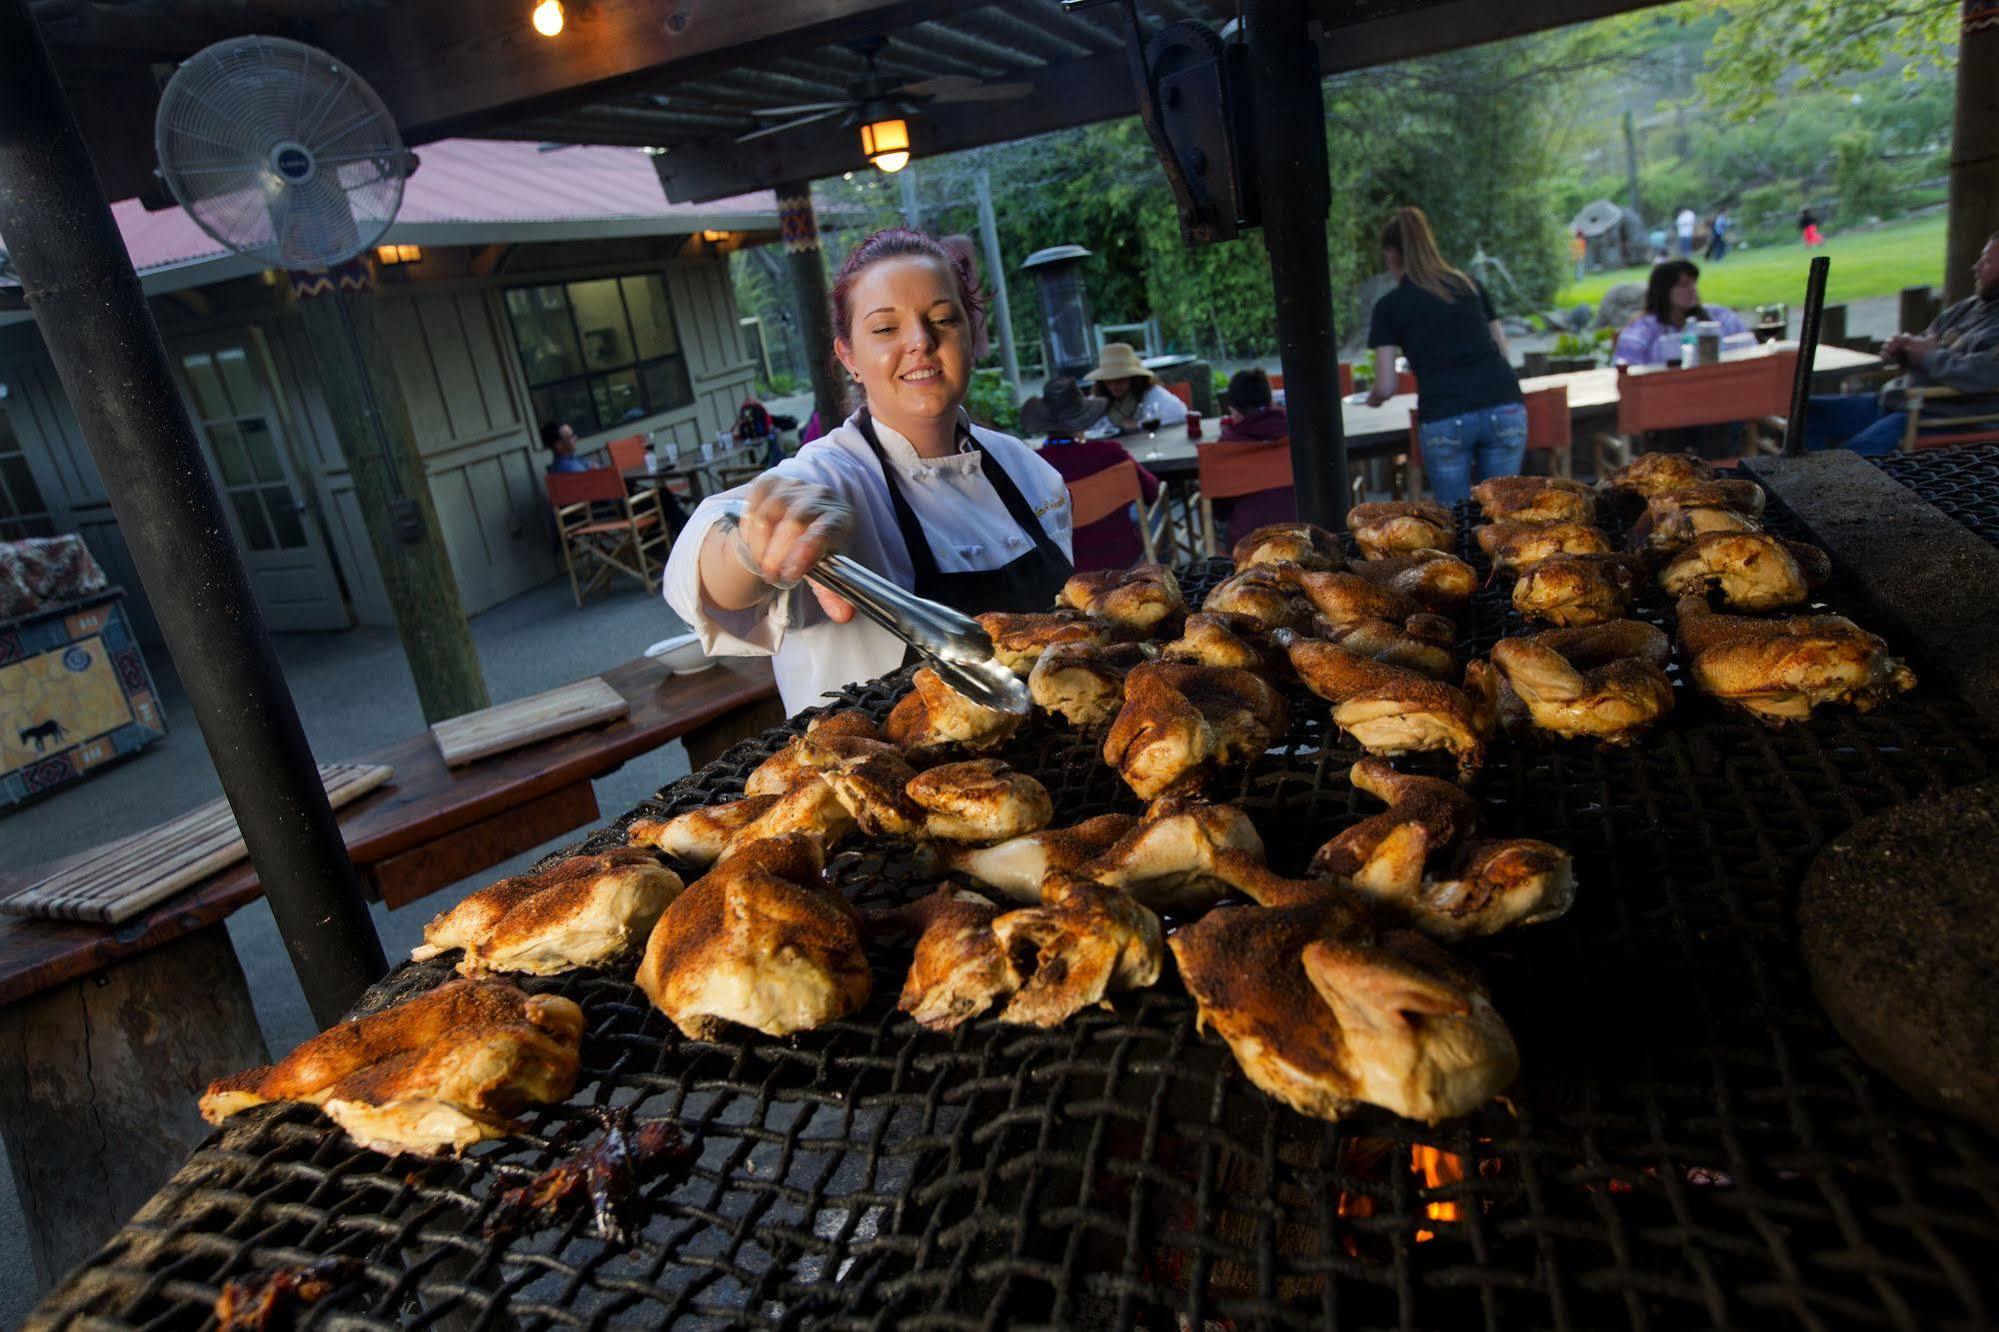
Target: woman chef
(907,486)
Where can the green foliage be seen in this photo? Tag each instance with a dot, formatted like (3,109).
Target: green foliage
(779,385)
(990,401)
(1767,44)
(1865,189)
(1570,344)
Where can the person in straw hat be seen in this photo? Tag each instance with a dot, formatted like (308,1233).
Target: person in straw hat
(1065,416)
(1132,393)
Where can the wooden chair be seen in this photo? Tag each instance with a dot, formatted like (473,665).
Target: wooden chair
(1745,390)
(1184,391)
(1230,471)
(1097,496)
(628,452)
(633,540)
(1346,380)
(1277,382)
(1987,422)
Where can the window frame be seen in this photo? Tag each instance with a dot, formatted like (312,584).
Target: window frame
(586,379)
(16,522)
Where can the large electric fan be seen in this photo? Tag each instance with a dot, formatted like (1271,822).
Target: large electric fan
(280,152)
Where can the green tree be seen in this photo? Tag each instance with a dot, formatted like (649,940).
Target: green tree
(1767,44)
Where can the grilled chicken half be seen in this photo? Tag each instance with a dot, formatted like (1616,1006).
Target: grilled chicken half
(1514,547)
(1437,582)
(1143,601)
(1566,590)
(1419,858)
(582,911)
(1224,640)
(1267,594)
(759,940)
(1084,684)
(837,732)
(1779,670)
(979,801)
(959,970)
(1394,710)
(934,719)
(1602,682)
(1674,518)
(703,837)
(1016,867)
(1020,638)
(1651,474)
(1752,570)
(1302,544)
(1179,724)
(1535,499)
(1398,527)
(434,1074)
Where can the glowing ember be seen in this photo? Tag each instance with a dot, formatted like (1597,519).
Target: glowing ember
(1437,1169)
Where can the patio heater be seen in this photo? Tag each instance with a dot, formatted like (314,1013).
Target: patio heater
(1065,309)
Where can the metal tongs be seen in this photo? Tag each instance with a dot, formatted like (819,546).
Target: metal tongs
(955,646)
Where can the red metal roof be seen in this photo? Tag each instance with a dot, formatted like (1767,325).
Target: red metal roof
(474,182)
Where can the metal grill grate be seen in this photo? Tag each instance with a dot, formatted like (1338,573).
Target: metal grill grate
(1961,481)
(1689,1143)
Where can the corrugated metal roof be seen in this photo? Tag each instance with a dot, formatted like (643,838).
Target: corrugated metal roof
(490,188)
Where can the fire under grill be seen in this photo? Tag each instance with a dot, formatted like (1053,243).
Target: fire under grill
(1689,1142)
(1963,482)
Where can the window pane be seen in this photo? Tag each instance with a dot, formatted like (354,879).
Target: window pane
(600,318)
(543,334)
(666,384)
(262,448)
(617,397)
(282,505)
(210,401)
(250,515)
(652,321)
(21,496)
(229,458)
(234,365)
(569,401)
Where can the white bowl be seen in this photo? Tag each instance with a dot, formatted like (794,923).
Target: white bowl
(683,655)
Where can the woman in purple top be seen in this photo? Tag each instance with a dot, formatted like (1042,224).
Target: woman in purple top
(1064,414)
(1672,301)
(1253,416)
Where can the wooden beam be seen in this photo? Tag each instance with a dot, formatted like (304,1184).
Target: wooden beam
(459,69)
(1451,26)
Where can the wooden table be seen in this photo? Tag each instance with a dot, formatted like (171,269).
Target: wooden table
(115,1029)
(659,476)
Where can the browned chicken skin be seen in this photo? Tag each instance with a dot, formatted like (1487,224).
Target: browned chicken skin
(437,1073)
(1513,547)
(1394,710)
(1535,499)
(981,801)
(1397,527)
(703,837)
(959,969)
(1016,867)
(1779,670)
(1752,571)
(759,940)
(934,719)
(1224,640)
(1082,943)
(1143,601)
(1602,682)
(1422,644)
(1343,598)
(1019,638)
(1650,474)
(1265,593)
(582,911)
(1435,581)
(1302,544)
(1082,683)
(1420,858)
(1673,518)
(1565,590)
(1180,723)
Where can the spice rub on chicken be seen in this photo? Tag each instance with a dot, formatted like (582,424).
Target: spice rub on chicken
(703,837)
(1514,547)
(434,1074)
(1650,474)
(934,719)
(1567,590)
(1753,571)
(1602,682)
(1674,518)
(1143,601)
(1303,544)
(1399,527)
(1019,638)
(1779,670)
(1180,724)
(1083,683)
(1535,499)
(760,940)
(582,911)
(1394,710)
(1434,580)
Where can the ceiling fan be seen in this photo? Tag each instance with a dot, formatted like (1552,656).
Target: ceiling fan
(875,97)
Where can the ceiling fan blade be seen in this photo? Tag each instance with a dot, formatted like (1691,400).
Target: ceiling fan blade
(987,92)
(799,110)
(779,129)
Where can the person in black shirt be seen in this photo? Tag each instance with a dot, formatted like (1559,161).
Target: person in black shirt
(1469,412)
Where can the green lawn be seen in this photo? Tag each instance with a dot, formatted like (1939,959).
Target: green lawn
(1864,263)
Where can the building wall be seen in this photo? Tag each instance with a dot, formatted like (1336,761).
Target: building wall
(462,382)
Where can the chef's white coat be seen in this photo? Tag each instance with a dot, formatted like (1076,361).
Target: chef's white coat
(969,528)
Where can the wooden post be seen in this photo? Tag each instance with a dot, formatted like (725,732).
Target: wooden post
(98,1107)
(1974,148)
(365,399)
(808,281)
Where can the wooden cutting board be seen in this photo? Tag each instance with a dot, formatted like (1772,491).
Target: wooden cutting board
(120,879)
(526,720)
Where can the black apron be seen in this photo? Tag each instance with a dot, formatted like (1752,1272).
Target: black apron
(1029,583)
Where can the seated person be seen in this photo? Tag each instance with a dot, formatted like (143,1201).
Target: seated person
(1672,301)
(1132,393)
(1064,415)
(1250,414)
(559,438)
(1959,350)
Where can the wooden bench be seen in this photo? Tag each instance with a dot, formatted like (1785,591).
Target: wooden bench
(119,1027)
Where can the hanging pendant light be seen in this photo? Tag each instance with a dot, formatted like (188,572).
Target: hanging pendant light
(886,143)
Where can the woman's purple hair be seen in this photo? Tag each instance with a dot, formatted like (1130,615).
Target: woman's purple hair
(899,243)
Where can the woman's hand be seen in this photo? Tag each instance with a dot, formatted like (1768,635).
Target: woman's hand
(786,527)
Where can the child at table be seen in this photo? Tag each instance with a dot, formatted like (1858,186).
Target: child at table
(1251,415)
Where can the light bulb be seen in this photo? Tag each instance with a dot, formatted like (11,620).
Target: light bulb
(548,17)
(892,162)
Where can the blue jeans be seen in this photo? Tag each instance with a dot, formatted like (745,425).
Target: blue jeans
(1855,420)
(1496,437)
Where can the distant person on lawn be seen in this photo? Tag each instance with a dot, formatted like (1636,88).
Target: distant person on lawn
(1684,224)
(1717,236)
(1959,350)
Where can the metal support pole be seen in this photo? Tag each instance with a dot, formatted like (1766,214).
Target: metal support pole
(1974,149)
(912,207)
(1808,350)
(1002,313)
(92,312)
(1290,122)
(808,283)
